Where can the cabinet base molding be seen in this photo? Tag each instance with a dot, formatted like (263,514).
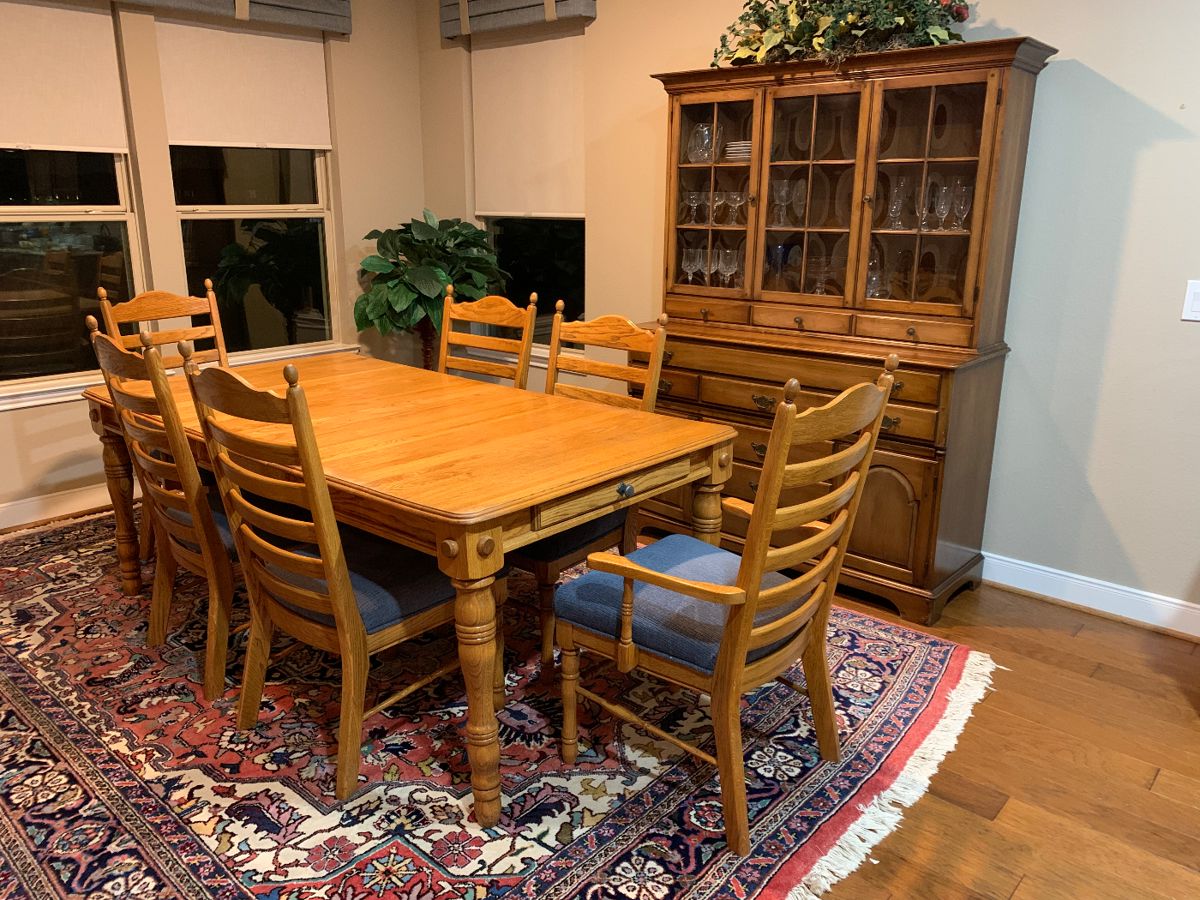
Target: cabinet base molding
(917,605)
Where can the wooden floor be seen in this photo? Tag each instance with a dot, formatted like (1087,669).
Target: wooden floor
(1077,777)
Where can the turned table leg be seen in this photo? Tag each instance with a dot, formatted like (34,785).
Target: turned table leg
(118,472)
(475,623)
(706,498)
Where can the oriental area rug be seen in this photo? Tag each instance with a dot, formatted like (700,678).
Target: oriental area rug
(117,780)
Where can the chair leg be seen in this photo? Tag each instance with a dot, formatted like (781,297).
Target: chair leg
(500,592)
(258,655)
(547,579)
(354,692)
(160,598)
(570,680)
(146,535)
(220,607)
(820,695)
(727,725)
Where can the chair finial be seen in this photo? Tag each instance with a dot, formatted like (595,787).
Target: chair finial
(186,349)
(892,362)
(790,390)
(559,306)
(208,285)
(662,320)
(291,375)
(533,298)
(92,325)
(101,293)
(146,340)
(450,292)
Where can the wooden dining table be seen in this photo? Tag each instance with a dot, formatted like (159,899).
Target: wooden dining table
(466,471)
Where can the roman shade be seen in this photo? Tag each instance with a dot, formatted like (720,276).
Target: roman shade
(463,17)
(230,87)
(60,86)
(527,111)
(320,15)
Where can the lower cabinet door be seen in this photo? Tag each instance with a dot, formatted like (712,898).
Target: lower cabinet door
(893,531)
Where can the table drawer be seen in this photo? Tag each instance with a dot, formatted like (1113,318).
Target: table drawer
(605,495)
(733,312)
(797,318)
(930,331)
(812,372)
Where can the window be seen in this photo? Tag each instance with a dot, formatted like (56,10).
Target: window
(254,221)
(546,257)
(64,231)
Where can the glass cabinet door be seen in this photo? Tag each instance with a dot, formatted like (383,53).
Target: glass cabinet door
(919,256)
(713,193)
(810,196)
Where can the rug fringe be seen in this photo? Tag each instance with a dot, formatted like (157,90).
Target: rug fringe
(883,815)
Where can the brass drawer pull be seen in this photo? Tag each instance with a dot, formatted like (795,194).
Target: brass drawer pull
(763,403)
(759,448)
(625,490)
(754,487)
(667,354)
(897,387)
(704,311)
(889,423)
(912,332)
(799,320)
(664,386)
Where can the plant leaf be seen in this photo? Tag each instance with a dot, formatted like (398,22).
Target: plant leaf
(425,280)
(423,231)
(430,219)
(375,263)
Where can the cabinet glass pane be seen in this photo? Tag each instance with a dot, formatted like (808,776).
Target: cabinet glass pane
(905,124)
(696,133)
(831,198)
(836,133)
(941,269)
(726,261)
(957,123)
(783,261)
(792,131)
(825,263)
(890,267)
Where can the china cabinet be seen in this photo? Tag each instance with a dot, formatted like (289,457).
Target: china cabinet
(819,219)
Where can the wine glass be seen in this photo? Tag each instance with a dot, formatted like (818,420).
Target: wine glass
(945,198)
(710,267)
(896,202)
(963,195)
(781,195)
(693,260)
(875,273)
(819,266)
(735,200)
(779,253)
(693,200)
(800,200)
(718,200)
(927,208)
(728,264)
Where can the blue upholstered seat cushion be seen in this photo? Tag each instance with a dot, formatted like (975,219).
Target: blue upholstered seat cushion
(219,519)
(666,623)
(573,539)
(391,583)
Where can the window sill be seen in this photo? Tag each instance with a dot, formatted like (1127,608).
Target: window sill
(53,389)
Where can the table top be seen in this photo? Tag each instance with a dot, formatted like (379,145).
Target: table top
(458,449)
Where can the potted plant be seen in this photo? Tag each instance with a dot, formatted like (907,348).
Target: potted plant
(409,272)
(771,31)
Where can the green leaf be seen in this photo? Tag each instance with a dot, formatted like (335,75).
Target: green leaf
(771,38)
(938,33)
(375,263)
(372,235)
(430,219)
(361,320)
(423,231)
(425,280)
(400,296)
(822,23)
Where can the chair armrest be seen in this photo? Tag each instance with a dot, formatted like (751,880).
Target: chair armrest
(701,590)
(737,507)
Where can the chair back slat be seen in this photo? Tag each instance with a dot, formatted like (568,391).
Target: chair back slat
(167,498)
(611,333)
(809,538)
(154,306)
(498,312)
(232,413)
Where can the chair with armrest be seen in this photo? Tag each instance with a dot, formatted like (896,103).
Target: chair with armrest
(546,559)
(334,588)
(498,312)
(193,533)
(153,306)
(704,618)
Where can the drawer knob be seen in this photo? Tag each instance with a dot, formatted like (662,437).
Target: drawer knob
(889,422)
(625,490)
(911,331)
(763,403)
(704,311)
(897,387)
(754,487)
(759,448)
(667,354)
(664,386)
(799,320)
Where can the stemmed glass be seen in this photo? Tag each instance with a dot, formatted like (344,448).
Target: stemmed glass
(728,264)
(800,200)
(735,200)
(693,200)
(778,254)
(963,195)
(710,267)
(896,201)
(927,208)
(781,195)
(693,261)
(945,199)
(718,200)
(875,274)
(820,274)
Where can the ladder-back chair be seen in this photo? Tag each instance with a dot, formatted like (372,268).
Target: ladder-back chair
(699,616)
(153,306)
(498,312)
(548,558)
(191,535)
(334,588)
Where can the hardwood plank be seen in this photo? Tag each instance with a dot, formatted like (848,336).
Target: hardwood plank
(1178,787)
(1154,685)
(966,793)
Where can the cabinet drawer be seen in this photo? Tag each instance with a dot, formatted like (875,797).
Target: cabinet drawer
(812,372)
(605,495)
(750,445)
(955,334)
(751,395)
(733,312)
(796,318)
(680,385)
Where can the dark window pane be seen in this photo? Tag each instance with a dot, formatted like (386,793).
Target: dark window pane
(49,272)
(243,176)
(546,257)
(269,276)
(57,178)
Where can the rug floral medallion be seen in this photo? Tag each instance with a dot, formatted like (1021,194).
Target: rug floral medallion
(117,780)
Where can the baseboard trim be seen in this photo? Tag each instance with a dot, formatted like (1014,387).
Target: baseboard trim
(31,510)
(1159,612)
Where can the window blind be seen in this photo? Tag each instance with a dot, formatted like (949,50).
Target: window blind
(462,17)
(230,87)
(60,86)
(527,110)
(320,15)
